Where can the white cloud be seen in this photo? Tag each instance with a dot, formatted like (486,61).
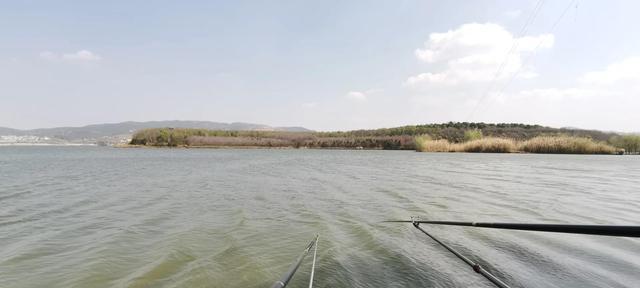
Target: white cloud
(309,105)
(625,72)
(601,99)
(473,53)
(357,95)
(431,78)
(361,95)
(82,55)
(461,64)
(619,79)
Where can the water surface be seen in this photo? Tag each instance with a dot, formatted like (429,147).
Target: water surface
(105,217)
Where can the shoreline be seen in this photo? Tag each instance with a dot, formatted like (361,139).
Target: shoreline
(131,146)
(44,144)
(249,147)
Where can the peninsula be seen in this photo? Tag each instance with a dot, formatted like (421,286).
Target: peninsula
(445,137)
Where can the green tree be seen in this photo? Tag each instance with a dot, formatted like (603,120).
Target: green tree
(470,135)
(630,143)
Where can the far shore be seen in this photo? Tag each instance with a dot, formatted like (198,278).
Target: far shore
(241,147)
(446,137)
(47,144)
(132,146)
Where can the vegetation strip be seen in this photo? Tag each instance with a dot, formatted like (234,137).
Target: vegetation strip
(447,137)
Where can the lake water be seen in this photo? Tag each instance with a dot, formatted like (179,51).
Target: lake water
(106,217)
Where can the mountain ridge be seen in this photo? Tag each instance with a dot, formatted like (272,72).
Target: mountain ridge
(127,128)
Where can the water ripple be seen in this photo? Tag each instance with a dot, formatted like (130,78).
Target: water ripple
(100,217)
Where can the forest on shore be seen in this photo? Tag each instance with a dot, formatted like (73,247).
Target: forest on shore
(445,137)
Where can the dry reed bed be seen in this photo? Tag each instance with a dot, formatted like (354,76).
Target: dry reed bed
(541,144)
(424,144)
(490,145)
(566,145)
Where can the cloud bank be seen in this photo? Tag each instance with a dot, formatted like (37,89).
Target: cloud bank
(473,52)
(461,83)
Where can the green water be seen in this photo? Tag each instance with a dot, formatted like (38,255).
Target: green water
(105,217)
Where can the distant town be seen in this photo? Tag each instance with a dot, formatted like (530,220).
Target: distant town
(45,140)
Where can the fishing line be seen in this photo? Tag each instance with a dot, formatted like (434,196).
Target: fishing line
(514,45)
(535,50)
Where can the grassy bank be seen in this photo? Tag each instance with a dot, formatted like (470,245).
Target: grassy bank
(540,144)
(270,139)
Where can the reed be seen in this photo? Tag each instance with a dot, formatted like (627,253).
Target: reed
(540,144)
(565,145)
(485,145)
(426,144)
(489,145)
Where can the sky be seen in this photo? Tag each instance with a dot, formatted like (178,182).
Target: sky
(323,65)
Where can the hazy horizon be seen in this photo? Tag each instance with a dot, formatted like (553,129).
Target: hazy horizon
(324,66)
(291,126)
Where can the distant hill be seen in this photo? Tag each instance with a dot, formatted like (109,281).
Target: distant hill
(9,131)
(99,131)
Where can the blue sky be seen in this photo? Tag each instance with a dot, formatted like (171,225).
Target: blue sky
(324,65)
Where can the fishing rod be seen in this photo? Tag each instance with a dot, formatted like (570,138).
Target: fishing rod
(313,265)
(292,270)
(476,267)
(603,230)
